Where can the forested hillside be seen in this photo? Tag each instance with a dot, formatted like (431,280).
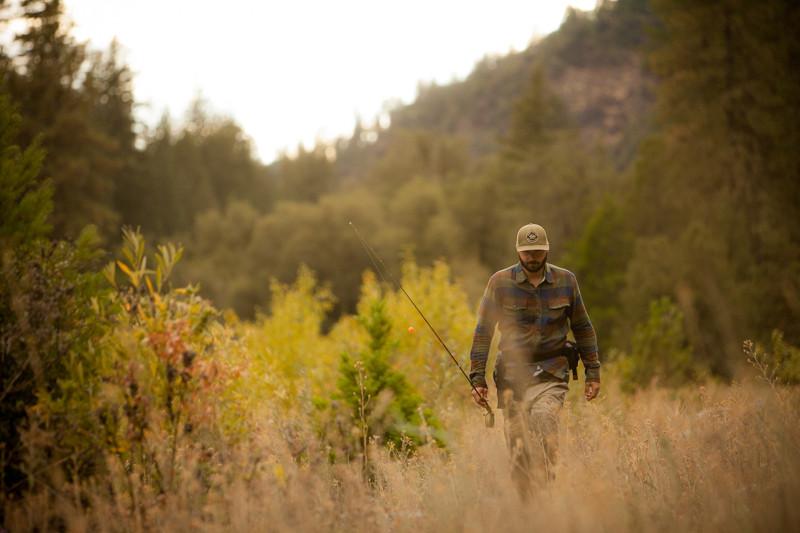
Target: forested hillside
(593,63)
(565,133)
(441,156)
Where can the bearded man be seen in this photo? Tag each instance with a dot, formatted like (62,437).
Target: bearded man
(534,305)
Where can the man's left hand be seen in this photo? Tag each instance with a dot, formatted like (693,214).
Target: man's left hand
(592,390)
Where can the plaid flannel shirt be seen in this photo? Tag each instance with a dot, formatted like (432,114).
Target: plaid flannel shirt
(533,324)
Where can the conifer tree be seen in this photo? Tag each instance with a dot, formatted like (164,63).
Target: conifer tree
(537,115)
(382,401)
(25,200)
(721,175)
(44,293)
(48,83)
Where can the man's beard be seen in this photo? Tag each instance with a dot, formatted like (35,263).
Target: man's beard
(534,266)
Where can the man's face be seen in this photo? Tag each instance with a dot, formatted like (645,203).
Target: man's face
(533,260)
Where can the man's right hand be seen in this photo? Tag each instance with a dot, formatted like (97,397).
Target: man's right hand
(481,396)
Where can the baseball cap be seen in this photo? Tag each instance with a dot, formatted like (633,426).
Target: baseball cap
(532,237)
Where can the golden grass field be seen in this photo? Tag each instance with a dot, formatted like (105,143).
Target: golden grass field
(712,458)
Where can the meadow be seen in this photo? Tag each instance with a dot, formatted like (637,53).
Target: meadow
(716,458)
(193,420)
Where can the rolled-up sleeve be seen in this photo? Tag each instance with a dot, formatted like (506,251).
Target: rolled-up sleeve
(482,339)
(585,336)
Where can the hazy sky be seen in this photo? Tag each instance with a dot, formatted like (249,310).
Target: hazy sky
(296,70)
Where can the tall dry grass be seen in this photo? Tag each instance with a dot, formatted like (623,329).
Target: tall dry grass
(715,458)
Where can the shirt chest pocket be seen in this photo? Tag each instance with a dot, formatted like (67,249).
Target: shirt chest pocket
(558,310)
(516,313)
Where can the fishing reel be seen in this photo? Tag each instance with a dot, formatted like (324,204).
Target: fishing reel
(488,418)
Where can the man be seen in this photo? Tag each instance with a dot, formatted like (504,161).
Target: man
(534,304)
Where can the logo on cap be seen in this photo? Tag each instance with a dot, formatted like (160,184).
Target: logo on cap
(532,237)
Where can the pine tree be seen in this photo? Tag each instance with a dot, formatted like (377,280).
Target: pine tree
(44,293)
(383,403)
(537,116)
(25,200)
(47,83)
(719,180)
(108,89)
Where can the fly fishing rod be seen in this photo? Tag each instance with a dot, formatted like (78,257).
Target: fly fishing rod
(384,273)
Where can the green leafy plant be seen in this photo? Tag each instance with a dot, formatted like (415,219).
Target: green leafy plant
(659,351)
(383,405)
(780,365)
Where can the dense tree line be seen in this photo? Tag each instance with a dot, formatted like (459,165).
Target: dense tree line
(683,186)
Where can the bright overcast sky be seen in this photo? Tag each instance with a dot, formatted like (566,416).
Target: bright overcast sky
(297,70)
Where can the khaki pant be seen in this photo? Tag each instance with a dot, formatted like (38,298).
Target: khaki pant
(531,430)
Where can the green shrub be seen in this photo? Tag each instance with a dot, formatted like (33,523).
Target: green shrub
(382,404)
(147,396)
(781,365)
(659,351)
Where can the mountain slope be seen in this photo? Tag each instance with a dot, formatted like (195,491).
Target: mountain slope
(593,63)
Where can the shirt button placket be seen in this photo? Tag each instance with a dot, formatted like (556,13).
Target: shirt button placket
(540,321)
(539,309)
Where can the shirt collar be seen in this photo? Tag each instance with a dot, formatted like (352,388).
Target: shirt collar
(520,276)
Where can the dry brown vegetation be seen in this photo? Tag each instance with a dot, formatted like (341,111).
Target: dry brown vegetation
(720,458)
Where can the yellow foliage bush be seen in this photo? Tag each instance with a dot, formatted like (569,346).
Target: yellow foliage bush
(287,347)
